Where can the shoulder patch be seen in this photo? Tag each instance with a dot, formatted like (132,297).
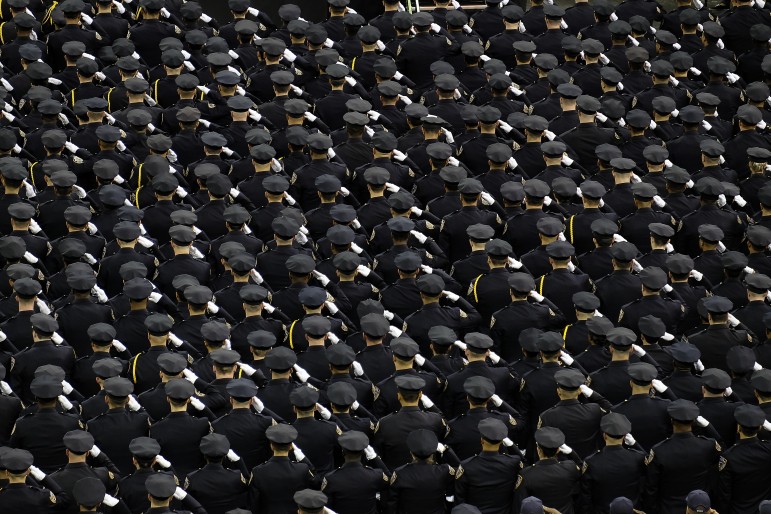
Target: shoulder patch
(393,478)
(722,463)
(649,458)
(458,472)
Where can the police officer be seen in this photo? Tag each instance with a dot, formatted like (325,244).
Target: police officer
(566,474)
(391,430)
(273,484)
(580,423)
(473,475)
(602,469)
(216,487)
(667,479)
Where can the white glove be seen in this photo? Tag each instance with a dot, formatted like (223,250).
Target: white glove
(254,12)
(417,212)
(190,376)
(405,99)
(301,374)
(392,188)
(350,81)
(176,341)
(702,421)
(441,448)
(247,369)
(298,453)
(629,440)
(495,358)
(757,367)
(162,461)
(290,55)
(197,404)
(5,388)
(586,390)
(450,296)
(369,452)
(436,28)
(357,369)
(321,278)
(133,404)
(566,358)
(767,426)
(65,403)
(37,473)
(426,402)
(419,236)
(487,198)
(56,338)
(460,344)
(363,270)
(34,227)
(535,295)
(420,360)
(394,331)
(698,365)
(358,250)
(180,493)
(426,269)
(110,501)
(212,307)
(514,263)
(660,203)
(638,350)
(732,320)
(66,387)
(311,117)
(255,275)
(147,243)
(268,307)
(659,386)
(729,391)
(497,401)
(323,411)
(449,138)
(94,451)
(331,307)
(257,404)
(567,450)
(233,456)
(43,308)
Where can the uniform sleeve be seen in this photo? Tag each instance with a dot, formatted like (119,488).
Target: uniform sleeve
(586,489)
(461,486)
(653,475)
(392,496)
(725,485)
